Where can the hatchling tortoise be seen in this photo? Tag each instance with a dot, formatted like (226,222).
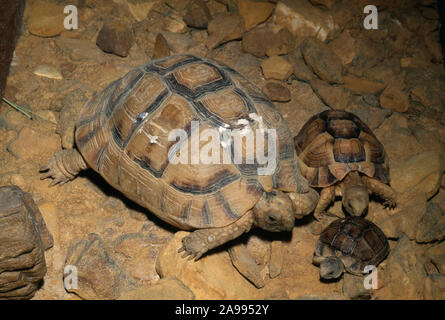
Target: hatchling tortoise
(338,153)
(23,239)
(123,134)
(349,244)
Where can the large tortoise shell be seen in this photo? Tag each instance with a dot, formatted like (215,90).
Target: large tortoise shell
(356,241)
(122,133)
(333,143)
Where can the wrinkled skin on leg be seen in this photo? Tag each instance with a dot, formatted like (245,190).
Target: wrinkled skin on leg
(63,166)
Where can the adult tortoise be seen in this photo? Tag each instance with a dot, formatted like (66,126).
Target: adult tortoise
(339,153)
(123,134)
(349,244)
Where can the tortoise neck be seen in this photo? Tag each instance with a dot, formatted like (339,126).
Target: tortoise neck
(353,179)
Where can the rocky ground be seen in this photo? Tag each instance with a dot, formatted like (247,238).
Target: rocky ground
(307,56)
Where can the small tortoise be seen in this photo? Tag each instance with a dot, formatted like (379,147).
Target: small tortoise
(23,238)
(339,153)
(123,134)
(349,244)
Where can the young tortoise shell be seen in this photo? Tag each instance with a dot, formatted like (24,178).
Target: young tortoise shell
(333,143)
(123,135)
(356,241)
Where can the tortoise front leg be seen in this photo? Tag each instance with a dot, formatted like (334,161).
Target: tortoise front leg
(326,196)
(200,241)
(382,190)
(64,166)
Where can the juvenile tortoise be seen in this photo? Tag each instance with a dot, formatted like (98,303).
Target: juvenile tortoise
(23,239)
(349,244)
(339,153)
(122,134)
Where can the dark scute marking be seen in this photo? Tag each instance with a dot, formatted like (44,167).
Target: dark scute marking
(349,157)
(219,180)
(246,100)
(117,136)
(145,115)
(112,104)
(88,120)
(314,180)
(206,214)
(254,187)
(205,113)
(100,156)
(185,213)
(82,141)
(144,163)
(161,71)
(226,206)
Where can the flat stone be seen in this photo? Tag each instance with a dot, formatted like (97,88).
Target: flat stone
(275,91)
(344,47)
(224,27)
(276,68)
(45,19)
(303,19)
(324,63)
(161,47)
(394,98)
(362,86)
(47,71)
(254,12)
(334,96)
(165,289)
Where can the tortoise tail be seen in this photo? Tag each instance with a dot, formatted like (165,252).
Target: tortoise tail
(63,166)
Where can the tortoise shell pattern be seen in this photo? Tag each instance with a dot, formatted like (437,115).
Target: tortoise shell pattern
(115,130)
(333,143)
(357,241)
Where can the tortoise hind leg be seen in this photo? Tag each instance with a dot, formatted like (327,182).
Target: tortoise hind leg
(382,190)
(63,166)
(200,241)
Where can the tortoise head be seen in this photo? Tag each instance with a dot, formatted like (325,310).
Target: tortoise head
(331,268)
(356,200)
(274,212)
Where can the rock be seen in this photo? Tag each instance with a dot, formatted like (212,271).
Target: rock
(353,287)
(303,19)
(98,275)
(395,99)
(173,23)
(421,174)
(254,12)
(423,94)
(362,86)
(243,261)
(256,41)
(431,226)
(344,47)
(276,68)
(115,37)
(334,96)
(137,253)
(282,42)
(140,8)
(161,47)
(404,271)
(435,287)
(24,239)
(371,99)
(224,27)
(47,71)
(197,15)
(400,144)
(45,19)
(276,258)
(324,63)
(211,277)
(326,3)
(72,105)
(301,71)
(275,91)
(32,145)
(165,289)
(179,43)
(371,115)
(81,50)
